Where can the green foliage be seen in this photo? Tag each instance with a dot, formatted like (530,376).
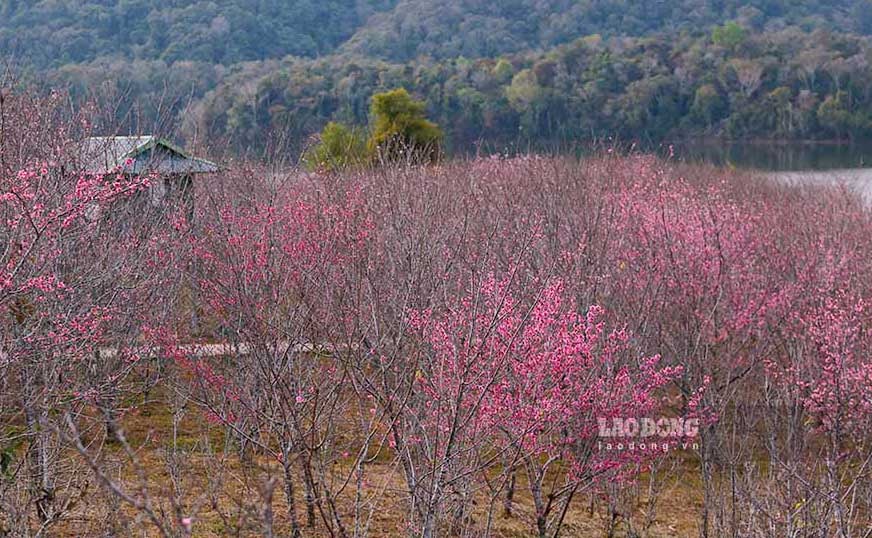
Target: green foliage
(9,452)
(730,35)
(781,100)
(648,89)
(401,128)
(524,90)
(708,106)
(503,71)
(483,28)
(835,113)
(519,72)
(56,33)
(230,31)
(339,148)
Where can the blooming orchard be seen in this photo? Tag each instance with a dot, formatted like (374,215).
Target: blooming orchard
(436,337)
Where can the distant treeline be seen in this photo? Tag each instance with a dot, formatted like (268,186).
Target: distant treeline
(59,33)
(787,84)
(523,72)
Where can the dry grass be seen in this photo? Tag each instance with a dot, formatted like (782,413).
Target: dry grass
(225,497)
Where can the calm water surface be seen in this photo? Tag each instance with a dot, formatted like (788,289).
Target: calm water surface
(793,163)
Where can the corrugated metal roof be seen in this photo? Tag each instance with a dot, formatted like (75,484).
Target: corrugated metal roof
(139,155)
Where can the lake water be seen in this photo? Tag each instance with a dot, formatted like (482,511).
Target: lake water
(792,163)
(780,157)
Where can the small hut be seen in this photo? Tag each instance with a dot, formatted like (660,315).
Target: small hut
(173,168)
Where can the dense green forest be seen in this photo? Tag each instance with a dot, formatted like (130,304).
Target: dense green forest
(485,28)
(786,84)
(62,32)
(510,72)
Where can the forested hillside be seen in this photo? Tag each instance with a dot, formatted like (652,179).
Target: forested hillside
(56,33)
(484,28)
(515,71)
(787,84)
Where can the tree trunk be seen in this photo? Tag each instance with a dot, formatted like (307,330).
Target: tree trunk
(289,493)
(509,500)
(41,488)
(309,485)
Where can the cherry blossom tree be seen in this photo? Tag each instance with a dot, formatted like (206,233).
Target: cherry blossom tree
(61,298)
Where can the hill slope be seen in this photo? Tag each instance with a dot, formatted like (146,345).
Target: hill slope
(55,33)
(483,28)
(527,71)
(59,32)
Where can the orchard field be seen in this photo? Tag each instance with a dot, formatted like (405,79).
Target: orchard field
(428,350)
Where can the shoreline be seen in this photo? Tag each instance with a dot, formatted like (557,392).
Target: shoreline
(774,142)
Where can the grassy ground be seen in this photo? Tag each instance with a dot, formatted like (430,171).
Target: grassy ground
(223,497)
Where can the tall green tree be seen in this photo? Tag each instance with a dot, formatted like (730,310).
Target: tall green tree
(836,115)
(401,129)
(708,106)
(730,36)
(340,147)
